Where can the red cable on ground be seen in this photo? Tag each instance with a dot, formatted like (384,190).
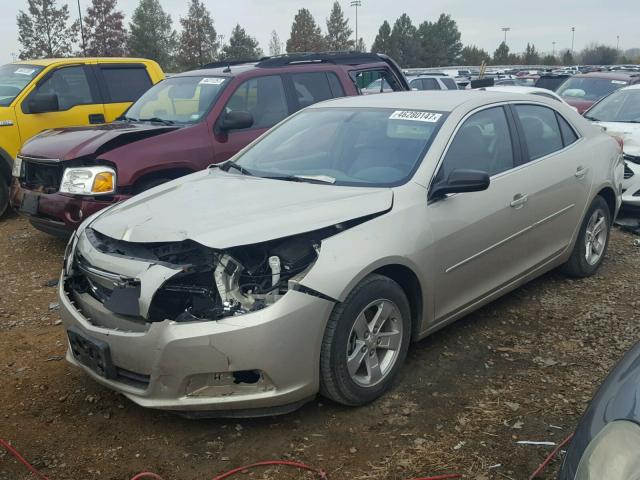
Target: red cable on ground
(19,457)
(439,477)
(301,466)
(142,475)
(550,457)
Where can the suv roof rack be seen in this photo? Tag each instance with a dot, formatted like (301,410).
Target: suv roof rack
(230,63)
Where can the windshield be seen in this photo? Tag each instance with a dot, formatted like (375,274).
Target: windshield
(13,79)
(361,147)
(620,106)
(591,89)
(178,100)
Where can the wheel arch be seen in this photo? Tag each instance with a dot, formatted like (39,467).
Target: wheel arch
(609,196)
(168,173)
(6,166)
(410,284)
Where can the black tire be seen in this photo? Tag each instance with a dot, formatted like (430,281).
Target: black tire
(577,265)
(336,382)
(4,196)
(149,184)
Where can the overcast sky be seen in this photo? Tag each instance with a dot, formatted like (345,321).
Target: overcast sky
(539,21)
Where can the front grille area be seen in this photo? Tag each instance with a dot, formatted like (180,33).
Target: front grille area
(133,379)
(42,176)
(628,173)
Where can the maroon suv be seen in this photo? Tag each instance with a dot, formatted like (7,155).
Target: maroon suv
(179,126)
(585,89)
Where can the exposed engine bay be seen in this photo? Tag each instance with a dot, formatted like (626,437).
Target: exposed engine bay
(211,284)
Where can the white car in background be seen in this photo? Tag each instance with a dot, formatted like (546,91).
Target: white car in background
(619,115)
(543,92)
(432,82)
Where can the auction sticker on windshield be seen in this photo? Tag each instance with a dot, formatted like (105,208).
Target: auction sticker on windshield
(211,81)
(25,71)
(415,116)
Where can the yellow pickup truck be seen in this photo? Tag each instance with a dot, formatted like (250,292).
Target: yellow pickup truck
(36,95)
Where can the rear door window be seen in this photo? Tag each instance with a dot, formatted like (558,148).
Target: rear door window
(376,81)
(124,83)
(449,83)
(264,98)
(430,84)
(313,87)
(540,129)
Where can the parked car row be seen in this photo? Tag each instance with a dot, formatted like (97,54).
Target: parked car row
(43,94)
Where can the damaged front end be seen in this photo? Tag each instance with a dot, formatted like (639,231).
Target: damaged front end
(204,284)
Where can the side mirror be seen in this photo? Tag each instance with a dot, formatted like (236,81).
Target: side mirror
(460,181)
(43,103)
(236,120)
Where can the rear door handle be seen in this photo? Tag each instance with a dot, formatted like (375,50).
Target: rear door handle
(519,199)
(581,172)
(95,118)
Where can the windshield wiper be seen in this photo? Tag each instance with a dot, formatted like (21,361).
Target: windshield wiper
(304,178)
(124,118)
(156,120)
(231,164)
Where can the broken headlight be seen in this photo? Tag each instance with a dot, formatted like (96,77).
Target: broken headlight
(236,281)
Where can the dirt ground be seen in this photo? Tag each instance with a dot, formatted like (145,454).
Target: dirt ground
(522,368)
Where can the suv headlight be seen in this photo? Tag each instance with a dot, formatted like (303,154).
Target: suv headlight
(17,167)
(612,454)
(96,180)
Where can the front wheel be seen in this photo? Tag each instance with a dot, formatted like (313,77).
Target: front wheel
(365,342)
(4,196)
(593,238)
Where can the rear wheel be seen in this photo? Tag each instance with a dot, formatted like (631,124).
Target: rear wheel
(366,342)
(593,238)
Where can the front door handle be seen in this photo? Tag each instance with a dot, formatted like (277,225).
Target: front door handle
(95,118)
(519,199)
(581,172)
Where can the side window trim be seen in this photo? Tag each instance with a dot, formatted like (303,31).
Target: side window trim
(91,81)
(564,140)
(384,71)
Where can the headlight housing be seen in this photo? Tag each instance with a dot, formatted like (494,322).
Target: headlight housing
(95,180)
(17,167)
(612,454)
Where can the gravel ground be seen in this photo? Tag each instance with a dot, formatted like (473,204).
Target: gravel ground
(522,368)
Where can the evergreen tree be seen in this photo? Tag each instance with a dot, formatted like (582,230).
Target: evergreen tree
(338,32)
(531,56)
(549,60)
(44,31)
(472,55)
(241,46)
(306,35)
(152,35)
(403,42)
(501,55)
(382,42)
(104,30)
(198,40)
(275,45)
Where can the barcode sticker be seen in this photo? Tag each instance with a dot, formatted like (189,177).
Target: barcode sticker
(415,115)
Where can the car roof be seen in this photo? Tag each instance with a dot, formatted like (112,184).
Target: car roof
(608,75)
(45,62)
(632,87)
(518,89)
(444,100)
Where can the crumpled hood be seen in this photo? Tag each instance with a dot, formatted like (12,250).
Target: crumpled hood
(629,132)
(222,210)
(75,142)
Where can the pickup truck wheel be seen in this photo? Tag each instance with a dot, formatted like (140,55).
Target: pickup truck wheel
(149,184)
(4,196)
(365,342)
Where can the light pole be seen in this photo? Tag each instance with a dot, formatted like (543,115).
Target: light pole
(553,53)
(356,3)
(13,56)
(573,34)
(617,43)
(505,30)
(84,49)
